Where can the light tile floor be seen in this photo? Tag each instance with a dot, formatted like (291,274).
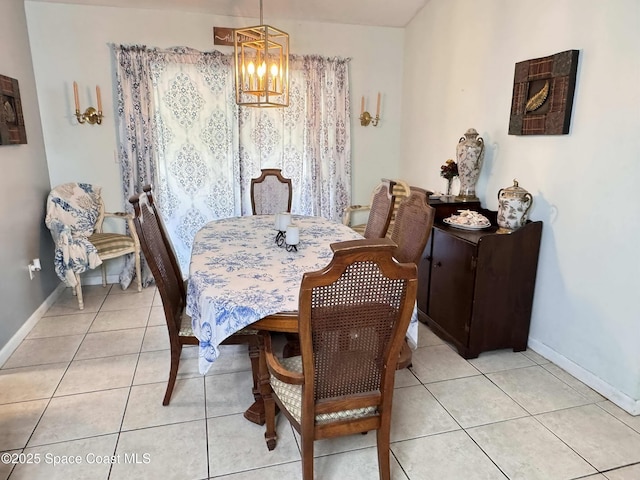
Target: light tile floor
(81,398)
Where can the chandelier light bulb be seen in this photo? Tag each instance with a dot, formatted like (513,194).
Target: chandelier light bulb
(262,69)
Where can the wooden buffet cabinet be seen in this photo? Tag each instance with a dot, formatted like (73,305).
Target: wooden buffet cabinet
(476,286)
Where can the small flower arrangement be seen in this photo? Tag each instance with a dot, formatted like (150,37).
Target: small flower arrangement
(449,170)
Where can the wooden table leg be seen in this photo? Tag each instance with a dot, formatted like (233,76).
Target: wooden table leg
(255,413)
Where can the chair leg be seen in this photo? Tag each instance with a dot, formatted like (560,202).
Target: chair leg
(307,457)
(176,350)
(138,271)
(104,274)
(78,291)
(383,439)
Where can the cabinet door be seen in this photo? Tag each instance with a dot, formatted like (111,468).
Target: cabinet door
(424,277)
(451,289)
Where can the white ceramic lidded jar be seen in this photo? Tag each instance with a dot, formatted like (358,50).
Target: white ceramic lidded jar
(513,205)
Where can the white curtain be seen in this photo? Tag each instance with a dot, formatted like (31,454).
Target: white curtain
(205,150)
(196,138)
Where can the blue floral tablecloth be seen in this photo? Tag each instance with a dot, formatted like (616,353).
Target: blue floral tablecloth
(239,275)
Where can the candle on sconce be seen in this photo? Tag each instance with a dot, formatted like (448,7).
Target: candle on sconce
(378,106)
(75,96)
(362,106)
(277,221)
(99,98)
(293,234)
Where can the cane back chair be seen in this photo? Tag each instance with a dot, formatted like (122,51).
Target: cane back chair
(160,256)
(413,225)
(353,316)
(271,193)
(399,191)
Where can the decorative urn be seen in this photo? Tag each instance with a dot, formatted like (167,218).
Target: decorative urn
(470,154)
(514,204)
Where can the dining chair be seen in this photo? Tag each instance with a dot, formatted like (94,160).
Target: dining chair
(75,216)
(271,193)
(353,316)
(413,225)
(399,190)
(158,251)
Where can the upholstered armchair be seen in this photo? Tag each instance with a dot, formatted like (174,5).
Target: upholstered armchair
(75,215)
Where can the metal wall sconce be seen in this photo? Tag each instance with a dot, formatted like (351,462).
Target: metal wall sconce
(91,115)
(366,118)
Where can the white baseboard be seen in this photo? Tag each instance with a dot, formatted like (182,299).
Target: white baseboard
(20,335)
(630,405)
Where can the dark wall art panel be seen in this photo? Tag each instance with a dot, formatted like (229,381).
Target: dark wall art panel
(543,95)
(12,129)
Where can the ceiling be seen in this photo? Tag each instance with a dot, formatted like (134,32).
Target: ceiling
(383,13)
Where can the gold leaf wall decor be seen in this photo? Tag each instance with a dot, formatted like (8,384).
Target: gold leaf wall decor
(538,99)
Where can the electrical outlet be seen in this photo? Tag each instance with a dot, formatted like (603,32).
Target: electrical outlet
(34,266)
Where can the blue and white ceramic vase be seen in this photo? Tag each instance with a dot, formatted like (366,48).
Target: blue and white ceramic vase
(470,154)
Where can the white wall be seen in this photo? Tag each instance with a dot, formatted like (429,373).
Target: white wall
(459,65)
(24,184)
(71,42)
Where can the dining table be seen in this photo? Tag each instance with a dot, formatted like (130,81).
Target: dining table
(240,276)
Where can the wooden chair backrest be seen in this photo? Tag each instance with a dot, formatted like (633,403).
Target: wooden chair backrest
(381,211)
(148,190)
(271,193)
(413,225)
(161,261)
(401,191)
(354,315)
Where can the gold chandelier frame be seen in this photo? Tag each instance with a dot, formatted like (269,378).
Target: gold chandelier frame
(261,58)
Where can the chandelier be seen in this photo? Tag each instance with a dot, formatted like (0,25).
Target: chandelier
(261,57)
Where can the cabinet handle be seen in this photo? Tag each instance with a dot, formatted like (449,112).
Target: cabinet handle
(428,258)
(438,264)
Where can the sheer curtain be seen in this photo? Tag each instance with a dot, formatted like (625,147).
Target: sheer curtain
(180,129)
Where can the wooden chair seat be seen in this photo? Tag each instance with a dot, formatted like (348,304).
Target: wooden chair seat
(111,245)
(291,397)
(186,330)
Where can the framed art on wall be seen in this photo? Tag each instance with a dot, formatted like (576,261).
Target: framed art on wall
(543,91)
(12,129)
